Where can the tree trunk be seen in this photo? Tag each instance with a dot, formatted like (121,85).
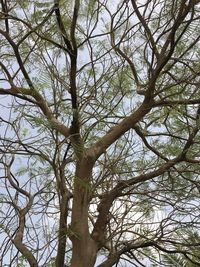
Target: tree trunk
(84,253)
(84,247)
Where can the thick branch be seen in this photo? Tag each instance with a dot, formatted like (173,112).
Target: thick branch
(41,103)
(62,27)
(64,198)
(177,102)
(115,256)
(98,233)
(117,131)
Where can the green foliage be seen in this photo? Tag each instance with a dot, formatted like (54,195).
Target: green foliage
(136,138)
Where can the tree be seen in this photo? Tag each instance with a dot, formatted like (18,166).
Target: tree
(99,133)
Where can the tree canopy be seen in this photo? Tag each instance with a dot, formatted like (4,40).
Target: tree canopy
(99,140)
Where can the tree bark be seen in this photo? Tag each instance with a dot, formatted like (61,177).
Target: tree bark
(84,247)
